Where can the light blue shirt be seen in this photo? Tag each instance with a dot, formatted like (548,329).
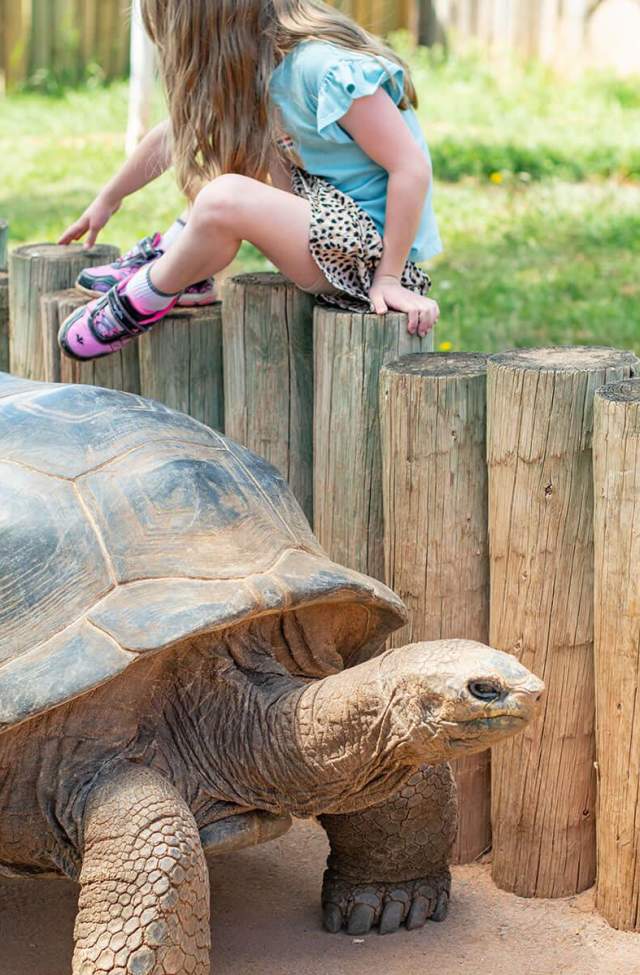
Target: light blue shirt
(314,87)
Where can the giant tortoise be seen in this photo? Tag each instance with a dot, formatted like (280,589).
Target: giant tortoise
(182,669)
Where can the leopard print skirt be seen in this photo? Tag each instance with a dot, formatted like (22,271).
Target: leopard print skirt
(346,245)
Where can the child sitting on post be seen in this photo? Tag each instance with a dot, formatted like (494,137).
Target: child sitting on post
(290,127)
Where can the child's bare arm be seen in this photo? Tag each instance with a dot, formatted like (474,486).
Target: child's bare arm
(376,124)
(151,158)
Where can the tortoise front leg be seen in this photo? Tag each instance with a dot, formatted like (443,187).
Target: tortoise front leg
(390,864)
(144,900)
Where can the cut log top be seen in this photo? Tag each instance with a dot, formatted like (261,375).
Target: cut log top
(182,315)
(66,294)
(440,364)
(541,400)
(266,279)
(624,391)
(561,358)
(62,252)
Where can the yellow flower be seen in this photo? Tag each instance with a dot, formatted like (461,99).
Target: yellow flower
(496,178)
(445,346)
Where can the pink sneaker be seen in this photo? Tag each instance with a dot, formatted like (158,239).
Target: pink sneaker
(105,325)
(97,281)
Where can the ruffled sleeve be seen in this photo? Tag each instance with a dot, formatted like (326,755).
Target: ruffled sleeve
(347,78)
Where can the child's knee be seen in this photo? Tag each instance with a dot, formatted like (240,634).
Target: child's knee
(222,201)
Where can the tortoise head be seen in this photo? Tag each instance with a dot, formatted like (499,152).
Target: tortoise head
(424,703)
(457,696)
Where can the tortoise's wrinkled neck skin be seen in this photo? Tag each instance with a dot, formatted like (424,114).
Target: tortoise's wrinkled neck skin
(262,738)
(350,740)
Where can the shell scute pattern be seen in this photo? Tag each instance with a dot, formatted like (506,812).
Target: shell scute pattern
(129,527)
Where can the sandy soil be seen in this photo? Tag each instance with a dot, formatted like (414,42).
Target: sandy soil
(266,922)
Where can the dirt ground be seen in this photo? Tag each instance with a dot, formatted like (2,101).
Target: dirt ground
(266,922)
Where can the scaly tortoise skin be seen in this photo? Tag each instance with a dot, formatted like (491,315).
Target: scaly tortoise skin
(182,669)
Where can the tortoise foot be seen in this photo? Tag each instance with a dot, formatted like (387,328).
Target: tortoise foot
(387,906)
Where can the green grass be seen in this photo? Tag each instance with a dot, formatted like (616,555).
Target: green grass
(531,257)
(552,263)
(482,119)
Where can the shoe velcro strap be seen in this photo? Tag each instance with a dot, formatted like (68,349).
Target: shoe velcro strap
(129,324)
(148,250)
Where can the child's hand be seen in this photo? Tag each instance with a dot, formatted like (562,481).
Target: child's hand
(388,294)
(92,221)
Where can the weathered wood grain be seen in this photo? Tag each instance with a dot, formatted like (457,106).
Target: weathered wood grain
(433,423)
(4,322)
(181,363)
(35,270)
(349,352)
(50,322)
(539,446)
(616,450)
(268,375)
(4,243)
(4,297)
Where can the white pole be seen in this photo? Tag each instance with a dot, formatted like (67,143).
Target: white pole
(141,82)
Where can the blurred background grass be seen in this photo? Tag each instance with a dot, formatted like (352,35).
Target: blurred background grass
(537,193)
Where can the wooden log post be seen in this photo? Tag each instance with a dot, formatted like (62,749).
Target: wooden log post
(181,363)
(616,447)
(268,375)
(35,270)
(4,245)
(120,370)
(50,322)
(350,351)
(4,298)
(433,420)
(539,447)
(4,321)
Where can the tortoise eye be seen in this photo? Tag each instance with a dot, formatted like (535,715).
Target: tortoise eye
(484,690)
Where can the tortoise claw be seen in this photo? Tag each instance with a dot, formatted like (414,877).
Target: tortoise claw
(391,917)
(361,919)
(361,907)
(442,907)
(420,911)
(332,918)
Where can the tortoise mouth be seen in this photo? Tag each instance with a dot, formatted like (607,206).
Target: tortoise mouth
(495,722)
(487,723)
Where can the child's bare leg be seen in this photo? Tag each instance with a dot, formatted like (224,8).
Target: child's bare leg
(227,211)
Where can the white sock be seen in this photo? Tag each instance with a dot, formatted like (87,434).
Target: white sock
(172,234)
(144,296)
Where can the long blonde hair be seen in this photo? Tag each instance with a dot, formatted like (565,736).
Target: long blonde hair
(216,60)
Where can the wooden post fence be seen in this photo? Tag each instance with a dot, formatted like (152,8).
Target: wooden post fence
(539,446)
(268,375)
(433,418)
(36,270)
(616,441)
(181,363)
(350,351)
(62,39)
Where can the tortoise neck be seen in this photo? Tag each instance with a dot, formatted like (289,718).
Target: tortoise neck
(343,743)
(311,746)
(262,738)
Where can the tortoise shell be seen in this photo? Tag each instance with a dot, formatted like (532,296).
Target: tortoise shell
(127,527)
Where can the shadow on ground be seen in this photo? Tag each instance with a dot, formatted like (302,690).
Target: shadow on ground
(266,922)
